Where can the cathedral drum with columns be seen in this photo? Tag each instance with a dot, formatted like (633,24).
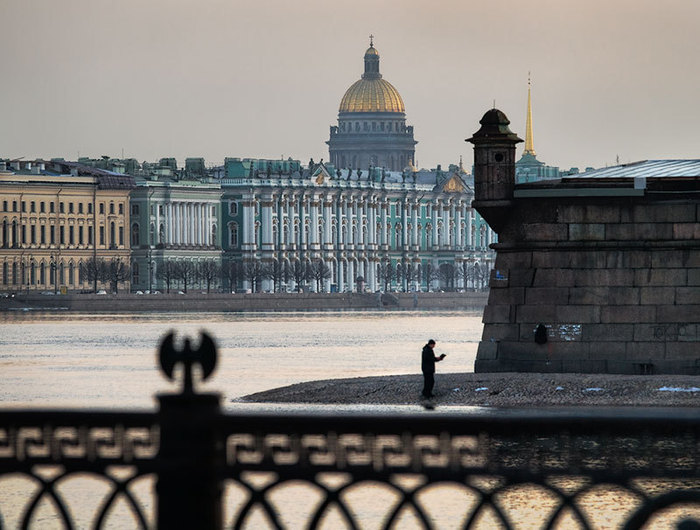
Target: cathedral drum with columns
(372,128)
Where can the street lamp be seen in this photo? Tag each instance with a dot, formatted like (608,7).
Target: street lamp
(30,276)
(54,266)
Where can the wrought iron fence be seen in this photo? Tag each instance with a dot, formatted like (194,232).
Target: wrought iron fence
(188,465)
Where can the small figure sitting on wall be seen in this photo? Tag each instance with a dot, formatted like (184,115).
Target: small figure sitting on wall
(428,360)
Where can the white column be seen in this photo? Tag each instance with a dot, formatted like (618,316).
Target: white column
(245,229)
(168,225)
(267,224)
(458,227)
(341,279)
(445,225)
(405,205)
(468,227)
(350,214)
(176,223)
(251,226)
(314,204)
(328,223)
(290,220)
(436,208)
(385,207)
(371,224)
(339,217)
(348,223)
(198,224)
(351,275)
(414,223)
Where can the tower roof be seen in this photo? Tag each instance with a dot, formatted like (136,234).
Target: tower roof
(371,93)
(494,127)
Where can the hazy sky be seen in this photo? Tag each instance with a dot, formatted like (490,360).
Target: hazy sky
(263,78)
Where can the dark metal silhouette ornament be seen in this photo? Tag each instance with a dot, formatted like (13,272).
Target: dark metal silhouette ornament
(204,356)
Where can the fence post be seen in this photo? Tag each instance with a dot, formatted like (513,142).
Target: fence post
(189,488)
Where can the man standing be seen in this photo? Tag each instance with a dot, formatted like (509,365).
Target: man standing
(428,361)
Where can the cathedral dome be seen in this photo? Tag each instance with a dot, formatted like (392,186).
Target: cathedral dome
(372,93)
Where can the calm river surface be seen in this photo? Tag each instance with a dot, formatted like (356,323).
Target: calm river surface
(109,361)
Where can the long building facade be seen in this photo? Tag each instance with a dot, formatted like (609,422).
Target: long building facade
(174,222)
(55,217)
(371,230)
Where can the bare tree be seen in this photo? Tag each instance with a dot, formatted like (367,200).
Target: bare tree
(429,274)
(299,274)
(186,272)
(278,272)
(319,272)
(94,270)
(481,275)
(233,273)
(385,273)
(409,274)
(209,271)
(446,275)
(253,272)
(167,271)
(116,272)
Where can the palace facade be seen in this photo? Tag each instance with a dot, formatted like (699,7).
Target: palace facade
(174,221)
(56,216)
(373,229)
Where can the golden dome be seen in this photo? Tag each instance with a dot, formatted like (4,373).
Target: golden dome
(372,95)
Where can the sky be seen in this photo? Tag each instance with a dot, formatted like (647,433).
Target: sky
(611,79)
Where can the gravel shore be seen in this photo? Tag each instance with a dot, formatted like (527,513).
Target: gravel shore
(497,390)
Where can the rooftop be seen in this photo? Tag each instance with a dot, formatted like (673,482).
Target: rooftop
(644,168)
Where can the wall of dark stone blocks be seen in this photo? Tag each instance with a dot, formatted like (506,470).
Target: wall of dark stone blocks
(617,285)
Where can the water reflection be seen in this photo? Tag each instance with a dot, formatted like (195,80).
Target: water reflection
(109,360)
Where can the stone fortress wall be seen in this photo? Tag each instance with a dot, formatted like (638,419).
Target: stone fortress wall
(610,268)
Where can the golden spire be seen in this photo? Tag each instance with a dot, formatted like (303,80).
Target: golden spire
(529,147)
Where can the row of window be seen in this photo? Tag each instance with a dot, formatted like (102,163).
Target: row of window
(136,235)
(397,209)
(6,205)
(12,234)
(395,236)
(161,210)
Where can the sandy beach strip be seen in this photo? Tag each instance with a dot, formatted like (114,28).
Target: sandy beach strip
(496,390)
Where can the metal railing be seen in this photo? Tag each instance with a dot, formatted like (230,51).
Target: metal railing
(591,468)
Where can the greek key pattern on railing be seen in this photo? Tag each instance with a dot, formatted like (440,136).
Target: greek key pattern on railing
(57,444)
(346,451)
(63,443)
(482,452)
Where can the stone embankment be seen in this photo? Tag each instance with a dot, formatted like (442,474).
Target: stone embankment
(497,390)
(220,302)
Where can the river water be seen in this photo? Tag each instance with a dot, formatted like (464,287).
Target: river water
(109,361)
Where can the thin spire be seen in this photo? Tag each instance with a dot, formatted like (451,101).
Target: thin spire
(529,146)
(371,41)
